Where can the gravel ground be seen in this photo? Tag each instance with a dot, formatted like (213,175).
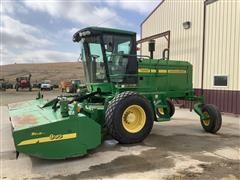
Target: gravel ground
(11,96)
(178,149)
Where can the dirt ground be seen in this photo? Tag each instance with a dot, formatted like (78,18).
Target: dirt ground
(43,71)
(178,149)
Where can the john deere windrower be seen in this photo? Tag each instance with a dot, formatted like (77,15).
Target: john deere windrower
(126,94)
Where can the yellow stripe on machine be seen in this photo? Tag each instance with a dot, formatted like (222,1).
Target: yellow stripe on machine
(162,71)
(144,70)
(50,138)
(153,70)
(177,71)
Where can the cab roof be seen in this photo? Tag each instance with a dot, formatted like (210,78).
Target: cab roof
(100,30)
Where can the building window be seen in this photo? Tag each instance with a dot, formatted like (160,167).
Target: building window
(220,81)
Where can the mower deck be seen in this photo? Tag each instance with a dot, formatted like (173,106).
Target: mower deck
(43,133)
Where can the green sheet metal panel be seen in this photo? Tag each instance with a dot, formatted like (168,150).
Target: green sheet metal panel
(44,133)
(30,113)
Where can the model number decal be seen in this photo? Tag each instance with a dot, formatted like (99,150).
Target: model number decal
(57,136)
(50,138)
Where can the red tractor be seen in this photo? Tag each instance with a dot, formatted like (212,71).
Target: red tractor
(23,82)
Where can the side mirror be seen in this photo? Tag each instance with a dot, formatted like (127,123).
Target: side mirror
(109,47)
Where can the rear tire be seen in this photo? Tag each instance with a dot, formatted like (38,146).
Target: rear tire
(171,108)
(214,122)
(129,117)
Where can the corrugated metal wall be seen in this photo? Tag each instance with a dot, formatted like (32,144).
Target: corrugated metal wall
(222,37)
(222,44)
(184,44)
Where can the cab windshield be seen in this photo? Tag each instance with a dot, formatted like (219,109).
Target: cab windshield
(92,57)
(108,58)
(118,49)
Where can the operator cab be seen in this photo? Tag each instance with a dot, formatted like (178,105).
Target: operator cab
(108,55)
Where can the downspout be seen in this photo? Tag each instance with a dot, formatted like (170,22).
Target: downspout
(140,38)
(203,44)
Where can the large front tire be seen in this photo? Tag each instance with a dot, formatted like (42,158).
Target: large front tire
(214,118)
(129,117)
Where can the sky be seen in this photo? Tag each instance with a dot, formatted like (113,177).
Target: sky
(40,31)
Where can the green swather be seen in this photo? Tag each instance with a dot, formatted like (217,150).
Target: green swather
(126,94)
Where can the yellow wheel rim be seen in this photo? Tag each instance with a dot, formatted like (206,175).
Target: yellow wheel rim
(206,122)
(161,111)
(133,118)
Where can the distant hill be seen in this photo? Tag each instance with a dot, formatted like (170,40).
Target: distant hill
(51,71)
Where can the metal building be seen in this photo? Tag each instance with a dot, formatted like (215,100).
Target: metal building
(206,33)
